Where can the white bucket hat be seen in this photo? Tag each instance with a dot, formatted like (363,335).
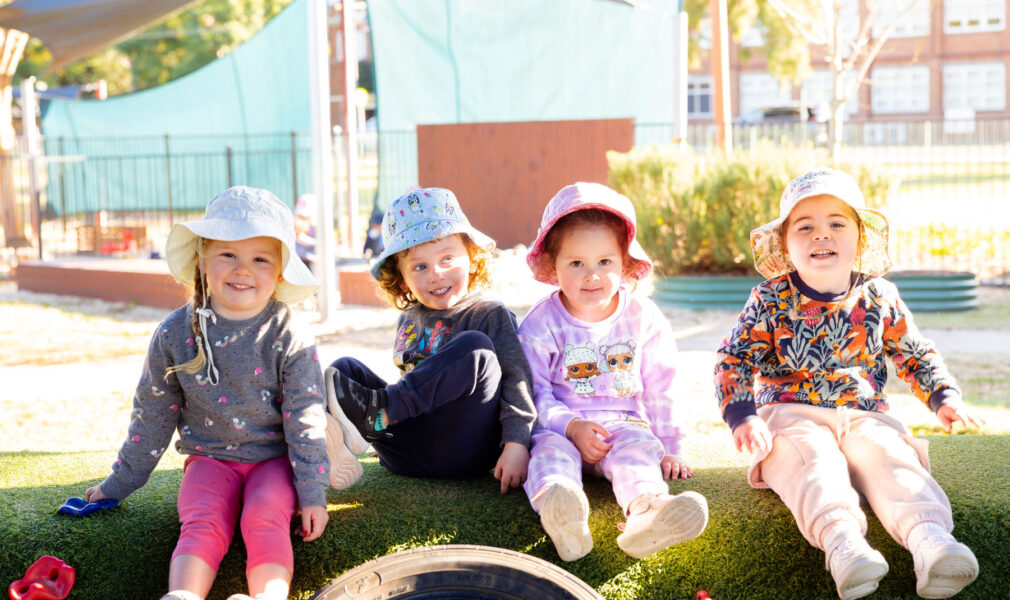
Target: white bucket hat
(766,241)
(240,213)
(421,216)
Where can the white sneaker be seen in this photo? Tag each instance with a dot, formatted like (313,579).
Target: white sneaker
(943,566)
(344,466)
(564,513)
(662,520)
(856,567)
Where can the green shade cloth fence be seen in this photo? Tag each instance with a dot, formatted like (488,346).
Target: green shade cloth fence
(458,61)
(249,100)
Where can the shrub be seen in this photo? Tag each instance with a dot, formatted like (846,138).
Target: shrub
(696,211)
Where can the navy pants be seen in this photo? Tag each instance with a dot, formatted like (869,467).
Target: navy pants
(444,412)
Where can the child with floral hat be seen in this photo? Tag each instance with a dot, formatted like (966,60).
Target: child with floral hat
(816,337)
(462,405)
(239,380)
(602,361)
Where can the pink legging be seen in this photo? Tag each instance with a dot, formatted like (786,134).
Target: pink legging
(214,492)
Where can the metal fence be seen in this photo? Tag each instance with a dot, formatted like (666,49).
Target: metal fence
(949,207)
(92,191)
(948,211)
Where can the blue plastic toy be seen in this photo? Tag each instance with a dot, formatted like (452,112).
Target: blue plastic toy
(78,507)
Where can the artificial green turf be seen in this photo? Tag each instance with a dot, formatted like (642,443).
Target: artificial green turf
(750,550)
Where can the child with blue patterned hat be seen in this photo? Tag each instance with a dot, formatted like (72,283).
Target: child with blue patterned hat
(462,405)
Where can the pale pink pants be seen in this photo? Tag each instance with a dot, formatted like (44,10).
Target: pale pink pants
(631,465)
(823,458)
(215,492)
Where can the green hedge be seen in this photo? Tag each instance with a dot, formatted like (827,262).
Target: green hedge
(695,212)
(750,550)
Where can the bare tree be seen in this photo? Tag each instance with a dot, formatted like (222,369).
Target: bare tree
(849,57)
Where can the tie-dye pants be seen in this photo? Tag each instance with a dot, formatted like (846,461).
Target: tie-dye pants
(632,465)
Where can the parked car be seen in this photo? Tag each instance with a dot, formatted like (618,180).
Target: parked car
(782,114)
(788,118)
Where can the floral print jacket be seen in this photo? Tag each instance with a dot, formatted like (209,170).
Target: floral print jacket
(830,361)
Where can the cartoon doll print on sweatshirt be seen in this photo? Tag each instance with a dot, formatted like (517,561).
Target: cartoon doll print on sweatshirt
(583,363)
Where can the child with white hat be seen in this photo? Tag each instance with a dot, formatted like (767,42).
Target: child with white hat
(462,405)
(602,360)
(241,383)
(815,338)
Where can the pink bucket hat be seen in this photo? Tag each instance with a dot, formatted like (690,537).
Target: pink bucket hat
(582,196)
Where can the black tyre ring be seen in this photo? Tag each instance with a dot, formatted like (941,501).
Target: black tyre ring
(457,572)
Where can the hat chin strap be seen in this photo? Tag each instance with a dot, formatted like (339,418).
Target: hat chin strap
(204,312)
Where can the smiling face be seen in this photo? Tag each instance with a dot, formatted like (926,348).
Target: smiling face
(589,267)
(437,273)
(821,238)
(242,275)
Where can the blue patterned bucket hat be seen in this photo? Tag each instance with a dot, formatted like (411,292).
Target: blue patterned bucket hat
(421,216)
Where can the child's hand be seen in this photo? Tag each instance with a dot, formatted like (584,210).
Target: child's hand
(94,494)
(674,467)
(314,519)
(753,435)
(584,435)
(512,464)
(958,411)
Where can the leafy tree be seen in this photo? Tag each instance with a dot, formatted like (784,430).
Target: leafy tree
(109,64)
(175,46)
(791,27)
(849,58)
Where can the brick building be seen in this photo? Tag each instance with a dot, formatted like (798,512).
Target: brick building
(944,57)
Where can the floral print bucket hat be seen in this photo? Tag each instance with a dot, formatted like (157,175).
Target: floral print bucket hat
(766,241)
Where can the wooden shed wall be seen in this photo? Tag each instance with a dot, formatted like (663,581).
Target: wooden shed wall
(504,173)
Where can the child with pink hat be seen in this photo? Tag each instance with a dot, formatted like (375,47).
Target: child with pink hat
(602,362)
(815,338)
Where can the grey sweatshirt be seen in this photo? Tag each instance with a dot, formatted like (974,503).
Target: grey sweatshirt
(269,401)
(421,331)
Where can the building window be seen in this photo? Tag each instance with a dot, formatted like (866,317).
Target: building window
(817,90)
(760,90)
(914,23)
(900,89)
(699,96)
(972,16)
(978,86)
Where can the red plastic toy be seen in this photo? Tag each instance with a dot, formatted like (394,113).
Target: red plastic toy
(49,578)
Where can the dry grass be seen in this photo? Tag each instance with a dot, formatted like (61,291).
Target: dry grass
(46,329)
(984,378)
(69,365)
